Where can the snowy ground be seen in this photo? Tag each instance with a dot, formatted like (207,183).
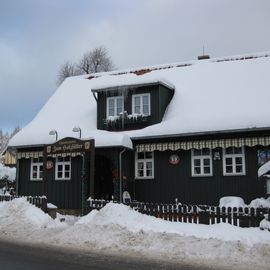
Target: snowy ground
(120,230)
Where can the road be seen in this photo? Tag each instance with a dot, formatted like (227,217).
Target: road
(24,257)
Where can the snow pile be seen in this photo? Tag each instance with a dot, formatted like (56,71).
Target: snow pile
(121,216)
(265,224)
(119,229)
(6,171)
(20,213)
(231,201)
(260,203)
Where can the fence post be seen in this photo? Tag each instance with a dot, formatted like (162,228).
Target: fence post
(235,217)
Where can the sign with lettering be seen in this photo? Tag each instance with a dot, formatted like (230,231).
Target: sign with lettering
(69,145)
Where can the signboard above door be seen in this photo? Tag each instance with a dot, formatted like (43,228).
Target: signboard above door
(69,145)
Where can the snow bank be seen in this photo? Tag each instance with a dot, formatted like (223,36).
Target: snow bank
(6,171)
(19,212)
(119,229)
(231,201)
(115,215)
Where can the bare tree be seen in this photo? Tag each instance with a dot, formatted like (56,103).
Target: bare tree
(67,70)
(96,60)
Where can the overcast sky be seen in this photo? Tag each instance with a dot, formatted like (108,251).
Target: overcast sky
(38,36)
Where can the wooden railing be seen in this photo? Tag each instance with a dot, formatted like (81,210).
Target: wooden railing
(38,201)
(199,214)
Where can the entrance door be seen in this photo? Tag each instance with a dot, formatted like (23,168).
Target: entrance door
(103,178)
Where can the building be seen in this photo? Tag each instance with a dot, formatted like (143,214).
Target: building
(194,131)
(8,158)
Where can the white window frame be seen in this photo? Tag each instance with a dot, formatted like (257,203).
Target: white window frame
(201,158)
(234,156)
(144,161)
(39,171)
(115,98)
(141,103)
(63,163)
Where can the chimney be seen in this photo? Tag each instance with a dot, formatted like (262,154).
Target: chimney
(203,57)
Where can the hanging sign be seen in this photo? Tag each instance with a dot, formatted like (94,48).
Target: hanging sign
(69,145)
(174,159)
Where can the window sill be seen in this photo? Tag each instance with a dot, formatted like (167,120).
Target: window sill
(64,179)
(201,175)
(235,174)
(36,180)
(144,178)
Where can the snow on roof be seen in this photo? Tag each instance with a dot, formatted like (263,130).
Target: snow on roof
(129,80)
(210,95)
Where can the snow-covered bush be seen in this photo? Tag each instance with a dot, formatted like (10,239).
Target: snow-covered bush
(260,203)
(6,172)
(231,201)
(265,224)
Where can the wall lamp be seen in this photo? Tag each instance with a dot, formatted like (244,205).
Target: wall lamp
(54,132)
(77,129)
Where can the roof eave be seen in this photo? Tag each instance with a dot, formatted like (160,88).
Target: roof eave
(194,134)
(120,87)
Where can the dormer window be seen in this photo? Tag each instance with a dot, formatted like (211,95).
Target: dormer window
(115,106)
(141,104)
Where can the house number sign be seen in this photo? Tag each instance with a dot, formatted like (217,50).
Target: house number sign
(174,159)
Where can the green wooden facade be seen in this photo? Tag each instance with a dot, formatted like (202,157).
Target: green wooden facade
(169,182)
(176,181)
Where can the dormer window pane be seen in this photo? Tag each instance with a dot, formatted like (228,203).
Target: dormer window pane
(145,109)
(141,104)
(137,104)
(115,106)
(119,105)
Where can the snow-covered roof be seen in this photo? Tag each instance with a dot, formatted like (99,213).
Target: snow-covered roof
(210,95)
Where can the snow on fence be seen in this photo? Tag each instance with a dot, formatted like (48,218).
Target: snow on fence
(199,214)
(38,201)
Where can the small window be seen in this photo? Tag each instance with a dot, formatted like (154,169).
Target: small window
(36,169)
(201,162)
(115,106)
(144,165)
(141,104)
(234,161)
(63,168)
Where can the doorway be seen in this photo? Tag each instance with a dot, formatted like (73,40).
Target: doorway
(103,178)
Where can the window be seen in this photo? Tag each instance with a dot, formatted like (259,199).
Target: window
(141,104)
(234,161)
(144,165)
(115,106)
(36,169)
(63,168)
(201,162)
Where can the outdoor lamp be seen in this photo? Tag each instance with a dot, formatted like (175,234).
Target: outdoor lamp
(54,132)
(77,129)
